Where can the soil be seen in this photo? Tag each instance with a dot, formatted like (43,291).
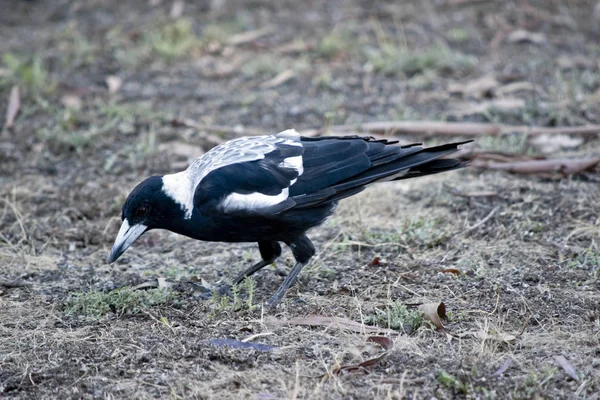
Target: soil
(107,92)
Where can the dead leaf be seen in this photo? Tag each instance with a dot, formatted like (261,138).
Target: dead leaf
(113,83)
(279,79)
(523,36)
(566,366)
(450,271)
(504,367)
(177,9)
(551,143)
(375,261)
(331,322)
(14,104)
(250,36)
(434,313)
(146,285)
(478,88)
(163,283)
(71,100)
(385,342)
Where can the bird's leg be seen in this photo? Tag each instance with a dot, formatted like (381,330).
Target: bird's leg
(269,252)
(303,250)
(287,283)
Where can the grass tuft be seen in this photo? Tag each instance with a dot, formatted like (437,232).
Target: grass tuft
(30,74)
(123,301)
(393,60)
(396,316)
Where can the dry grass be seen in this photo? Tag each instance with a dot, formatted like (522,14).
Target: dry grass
(528,258)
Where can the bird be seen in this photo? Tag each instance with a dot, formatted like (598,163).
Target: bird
(271,189)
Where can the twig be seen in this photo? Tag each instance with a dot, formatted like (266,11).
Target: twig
(453,129)
(483,221)
(250,36)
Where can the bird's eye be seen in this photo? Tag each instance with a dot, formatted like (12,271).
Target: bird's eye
(141,211)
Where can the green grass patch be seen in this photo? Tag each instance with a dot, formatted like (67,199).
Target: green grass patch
(397,316)
(451,382)
(29,74)
(390,59)
(123,301)
(241,299)
(335,42)
(174,40)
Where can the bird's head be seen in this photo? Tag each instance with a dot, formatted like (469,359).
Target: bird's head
(147,207)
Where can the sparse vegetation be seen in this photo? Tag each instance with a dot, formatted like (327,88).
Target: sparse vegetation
(519,289)
(390,59)
(239,298)
(174,40)
(30,74)
(395,315)
(334,43)
(124,301)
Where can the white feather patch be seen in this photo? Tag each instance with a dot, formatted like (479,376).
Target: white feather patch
(253,201)
(180,188)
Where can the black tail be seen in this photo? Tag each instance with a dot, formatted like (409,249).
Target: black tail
(385,163)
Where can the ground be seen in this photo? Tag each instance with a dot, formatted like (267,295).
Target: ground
(112,92)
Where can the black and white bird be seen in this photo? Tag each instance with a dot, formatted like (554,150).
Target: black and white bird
(271,189)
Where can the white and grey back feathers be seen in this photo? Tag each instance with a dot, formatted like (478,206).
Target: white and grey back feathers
(182,186)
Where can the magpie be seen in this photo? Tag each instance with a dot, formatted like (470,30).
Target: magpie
(271,189)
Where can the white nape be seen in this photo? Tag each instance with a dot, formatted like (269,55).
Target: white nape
(252,201)
(180,188)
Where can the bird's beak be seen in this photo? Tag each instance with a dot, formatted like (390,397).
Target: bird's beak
(126,236)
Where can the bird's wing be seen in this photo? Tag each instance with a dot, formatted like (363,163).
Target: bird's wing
(276,173)
(339,167)
(250,174)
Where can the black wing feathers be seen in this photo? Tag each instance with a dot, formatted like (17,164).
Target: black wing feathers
(333,168)
(359,162)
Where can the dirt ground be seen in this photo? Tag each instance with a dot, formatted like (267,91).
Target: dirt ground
(106,91)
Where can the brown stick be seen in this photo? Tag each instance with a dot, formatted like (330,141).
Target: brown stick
(431,128)
(564,166)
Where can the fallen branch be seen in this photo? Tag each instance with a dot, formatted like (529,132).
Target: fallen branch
(431,128)
(564,166)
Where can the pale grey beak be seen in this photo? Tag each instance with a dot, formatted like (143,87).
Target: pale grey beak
(126,236)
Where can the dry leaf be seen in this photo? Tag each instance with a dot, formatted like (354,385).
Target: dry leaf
(551,143)
(114,83)
(566,366)
(331,322)
(163,283)
(250,36)
(279,79)
(177,9)
(14,104)
(523,36)
(434,313)
(385,342)
(479,88)
(504,367)
(71,101)
(375,261)
(450,271)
